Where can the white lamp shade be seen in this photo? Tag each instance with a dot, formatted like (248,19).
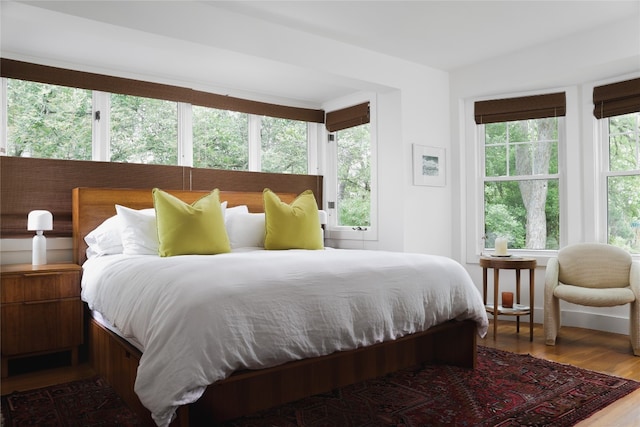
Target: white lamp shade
(40,220)
(322,216)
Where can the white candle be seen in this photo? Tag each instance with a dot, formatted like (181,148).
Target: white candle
(501,246)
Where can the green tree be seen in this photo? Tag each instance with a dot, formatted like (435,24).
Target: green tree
(524,210)
(533,158)
(623,189)
(220,139)
(354,176)
(48,121)
(284,145)
(143,130)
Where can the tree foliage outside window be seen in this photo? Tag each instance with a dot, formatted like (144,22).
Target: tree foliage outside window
(284,145)
(48,121)
(623,182)
(220,139)
(144,130)
(521,199)
(354,176)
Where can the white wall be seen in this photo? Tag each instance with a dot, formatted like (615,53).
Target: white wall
(18,251)
(574,64)
(412,100)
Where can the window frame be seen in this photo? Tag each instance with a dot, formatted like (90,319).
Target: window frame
(516,178)
(596,161)
(349,237)
(605,172)
(105,85)
(101,131)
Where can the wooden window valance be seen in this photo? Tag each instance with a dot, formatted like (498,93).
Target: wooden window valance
(616,98)
(348,117)
(520,108)
(10,68)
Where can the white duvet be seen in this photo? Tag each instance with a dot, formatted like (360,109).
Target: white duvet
(200,318)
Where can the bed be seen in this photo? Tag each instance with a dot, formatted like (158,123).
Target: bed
(280,349)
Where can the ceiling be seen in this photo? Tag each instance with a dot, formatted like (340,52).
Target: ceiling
(440,34)
(259,46)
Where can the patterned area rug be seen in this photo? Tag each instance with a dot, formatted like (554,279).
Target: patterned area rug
(86,403)
(505,390)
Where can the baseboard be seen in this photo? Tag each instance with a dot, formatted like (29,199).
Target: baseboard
(605,322)
(600,322)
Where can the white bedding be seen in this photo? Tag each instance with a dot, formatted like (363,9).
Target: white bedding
(200,318)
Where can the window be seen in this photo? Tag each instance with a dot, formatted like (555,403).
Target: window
(48,121)
(521,183)
(220,139)
(520,140)
(617,105)
(284,145)
(352,195)
(105,118)
(145,122)
(622,177)
(143,130)
(353,146)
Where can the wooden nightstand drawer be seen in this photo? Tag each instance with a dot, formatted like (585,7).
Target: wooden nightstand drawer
(41,310)
(41,326)
(39,286)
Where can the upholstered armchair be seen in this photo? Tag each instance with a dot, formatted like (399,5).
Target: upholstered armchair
(592,274)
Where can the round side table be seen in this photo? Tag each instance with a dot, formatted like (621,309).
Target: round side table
(508,263)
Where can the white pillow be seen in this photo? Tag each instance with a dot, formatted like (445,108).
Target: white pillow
(235,210)
(138,231)
(105,238)
(223,207)
(246,230)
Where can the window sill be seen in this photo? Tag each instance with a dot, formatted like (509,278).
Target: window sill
(348,233)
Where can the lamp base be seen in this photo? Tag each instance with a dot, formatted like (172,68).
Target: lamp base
(39,249)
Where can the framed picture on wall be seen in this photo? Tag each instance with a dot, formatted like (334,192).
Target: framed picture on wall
(429,166)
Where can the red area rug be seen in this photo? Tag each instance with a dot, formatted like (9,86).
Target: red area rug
(86,403)
(505,390)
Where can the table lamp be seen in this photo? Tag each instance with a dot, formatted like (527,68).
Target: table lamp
(39,221)
(322,216)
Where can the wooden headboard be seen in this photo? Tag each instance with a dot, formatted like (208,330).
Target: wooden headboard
(91,206)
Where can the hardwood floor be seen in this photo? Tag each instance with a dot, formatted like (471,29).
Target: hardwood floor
(594,350)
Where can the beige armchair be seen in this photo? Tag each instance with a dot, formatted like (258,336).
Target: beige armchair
(592,274)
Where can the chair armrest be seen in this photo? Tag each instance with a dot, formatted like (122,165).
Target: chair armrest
(551,275)
(634,278)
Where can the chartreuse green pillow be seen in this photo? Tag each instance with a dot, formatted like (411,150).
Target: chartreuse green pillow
(291,226)
(190,229)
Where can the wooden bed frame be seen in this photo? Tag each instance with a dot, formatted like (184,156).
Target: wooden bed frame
(246,392)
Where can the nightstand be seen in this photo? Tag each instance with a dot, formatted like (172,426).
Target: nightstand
(41,310)
(508,263)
